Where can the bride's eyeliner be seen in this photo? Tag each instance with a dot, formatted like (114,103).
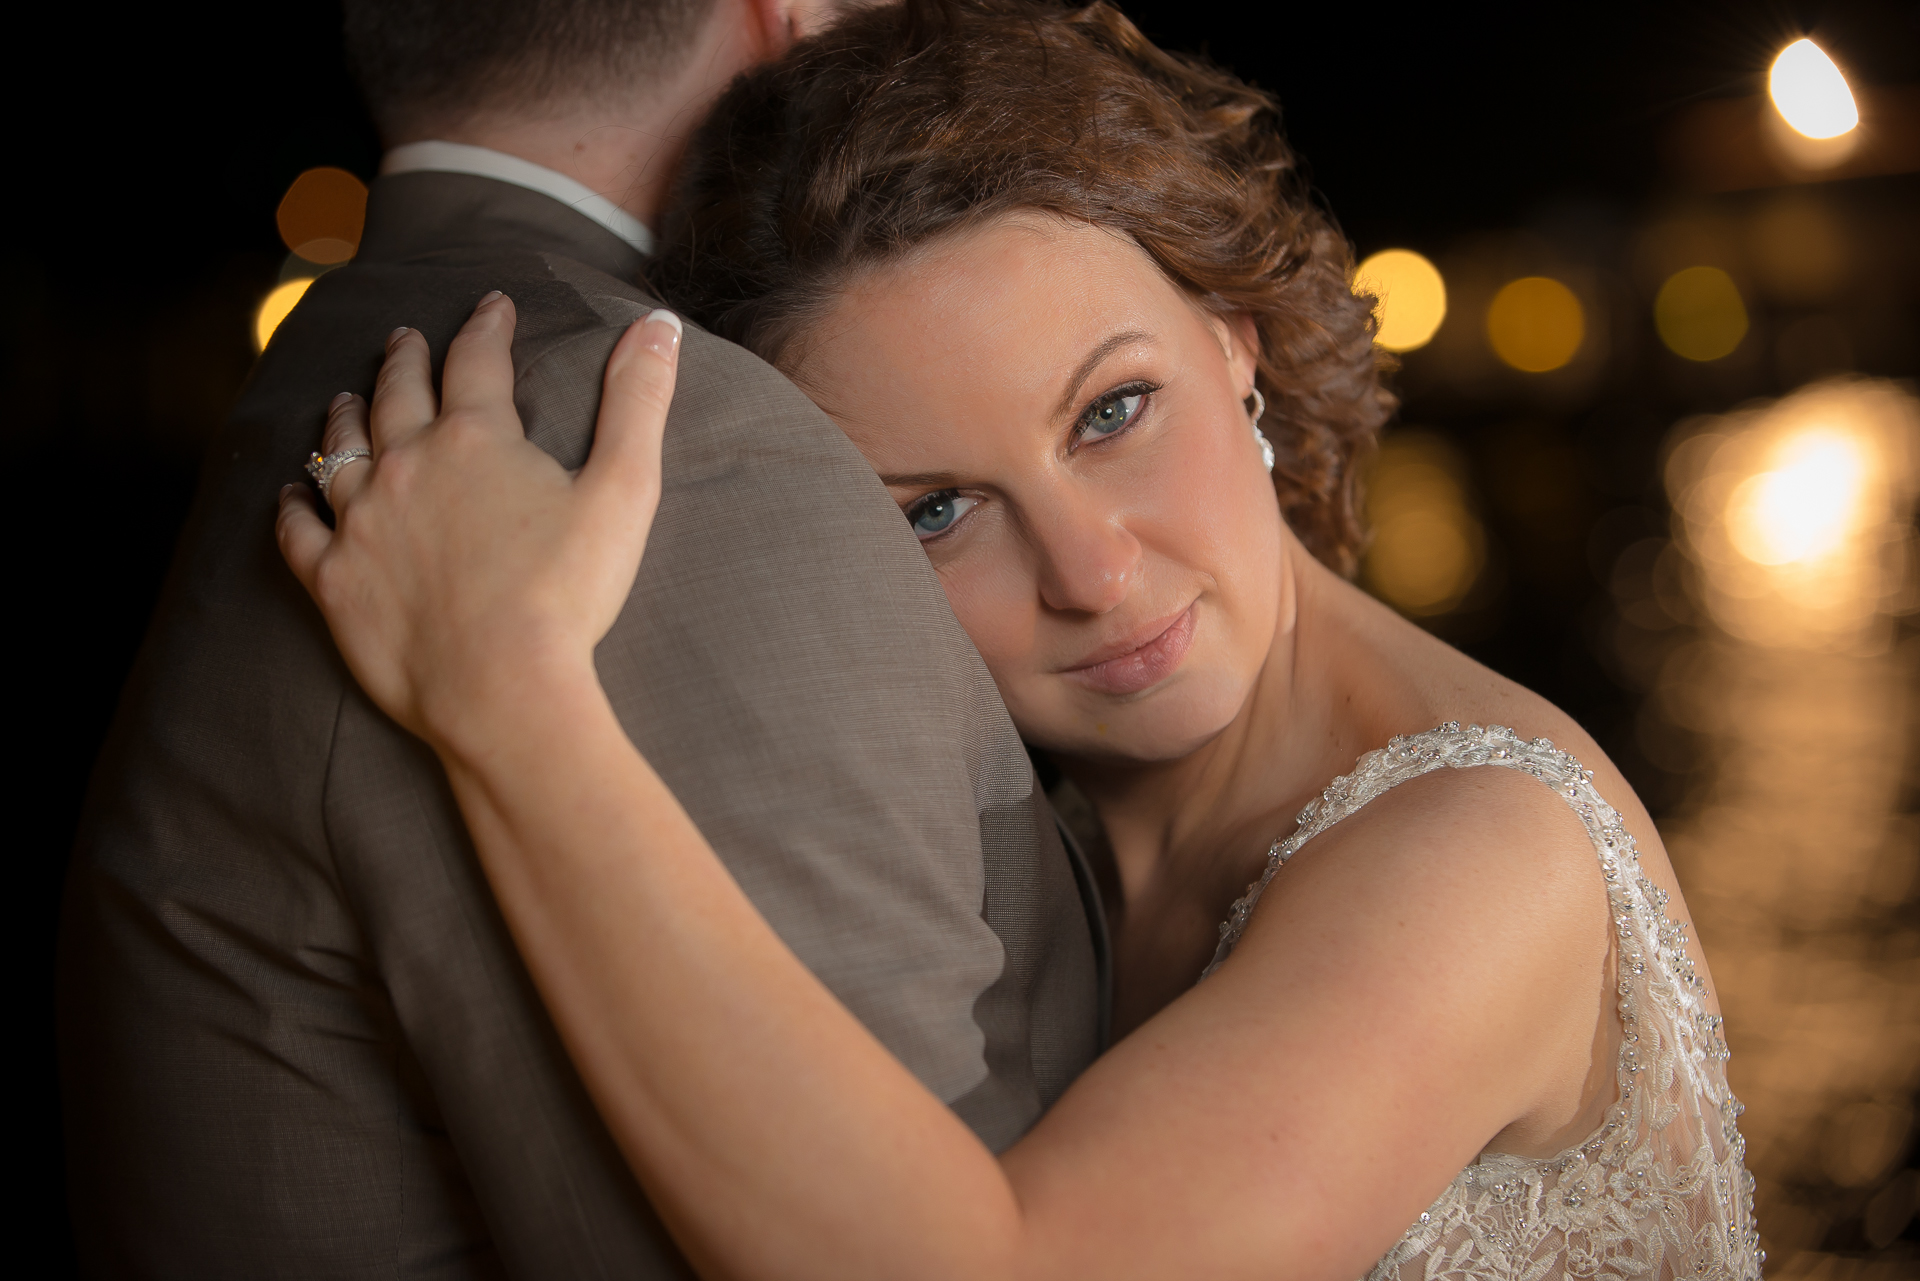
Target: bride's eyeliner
(922,505)
(1141,388)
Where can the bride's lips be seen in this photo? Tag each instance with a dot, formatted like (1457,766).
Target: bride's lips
(1140,661)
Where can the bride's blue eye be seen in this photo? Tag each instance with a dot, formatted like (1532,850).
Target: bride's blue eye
(1112,413)
(932,515)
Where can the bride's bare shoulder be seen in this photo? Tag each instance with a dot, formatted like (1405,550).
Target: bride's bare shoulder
(1455,687)
(1458,688)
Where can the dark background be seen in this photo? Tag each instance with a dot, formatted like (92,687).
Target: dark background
(154,147)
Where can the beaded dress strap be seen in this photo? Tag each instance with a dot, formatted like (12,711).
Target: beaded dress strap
(1659,1188)
(1410,756)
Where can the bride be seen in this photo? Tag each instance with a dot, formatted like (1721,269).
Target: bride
(1062,292)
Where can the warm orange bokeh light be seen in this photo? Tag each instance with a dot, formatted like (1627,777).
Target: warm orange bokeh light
(274,308)
(1536,324)
(321,216)
(1428,547)
(1797,515)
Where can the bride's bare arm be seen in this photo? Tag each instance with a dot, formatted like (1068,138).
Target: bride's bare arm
(1382,1020)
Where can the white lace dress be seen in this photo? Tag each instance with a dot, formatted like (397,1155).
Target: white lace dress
(1660,1190)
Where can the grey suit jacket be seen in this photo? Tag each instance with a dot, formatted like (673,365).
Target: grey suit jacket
(296,1040)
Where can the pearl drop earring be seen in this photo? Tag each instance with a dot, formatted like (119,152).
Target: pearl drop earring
(1259,412)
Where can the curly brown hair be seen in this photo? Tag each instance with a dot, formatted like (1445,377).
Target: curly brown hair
(914,121)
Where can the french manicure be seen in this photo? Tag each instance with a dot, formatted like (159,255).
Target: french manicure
(663,337)
(394,337)
(284,491)
(489,298)
(339,400)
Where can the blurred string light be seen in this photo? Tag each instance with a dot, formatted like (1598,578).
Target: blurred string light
(320,220)
(1810,93)
(1535,324)
(1699,313)
(1428,548)
(1412,297)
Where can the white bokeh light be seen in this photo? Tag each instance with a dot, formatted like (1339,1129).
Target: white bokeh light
(1805,508)
(1810,93)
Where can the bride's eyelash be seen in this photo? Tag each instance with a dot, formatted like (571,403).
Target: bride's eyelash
(1085,420)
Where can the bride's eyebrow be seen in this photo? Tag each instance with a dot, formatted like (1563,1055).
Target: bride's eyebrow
(1106,348)
(919,480)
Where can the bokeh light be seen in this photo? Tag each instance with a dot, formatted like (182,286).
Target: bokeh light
(1699,313)
(1786,695)
(1535,324)
(1798,514)
(1810,93)
(321,216)
(1412,297)
(1428,547)
(1806,507)
(274,308)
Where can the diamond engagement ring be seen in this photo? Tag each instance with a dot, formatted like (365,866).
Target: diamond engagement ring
(324,467)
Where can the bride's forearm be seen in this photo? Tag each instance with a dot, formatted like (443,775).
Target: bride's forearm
(776,1136)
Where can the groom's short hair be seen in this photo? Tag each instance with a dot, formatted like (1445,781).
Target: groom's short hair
(424,63)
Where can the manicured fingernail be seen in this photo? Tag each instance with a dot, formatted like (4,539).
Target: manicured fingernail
(394,337)
(489,298)
(284,491)
(340,400)
(661,331)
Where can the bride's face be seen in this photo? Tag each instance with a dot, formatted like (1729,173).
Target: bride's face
(1064,431)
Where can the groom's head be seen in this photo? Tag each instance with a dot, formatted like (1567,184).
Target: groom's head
(434,68)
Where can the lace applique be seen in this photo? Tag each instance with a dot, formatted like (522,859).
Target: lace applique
(1660,1190)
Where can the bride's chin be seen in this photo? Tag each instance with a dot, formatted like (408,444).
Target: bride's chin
(1150,733)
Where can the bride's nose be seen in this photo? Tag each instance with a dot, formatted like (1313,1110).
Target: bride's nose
(1088,559)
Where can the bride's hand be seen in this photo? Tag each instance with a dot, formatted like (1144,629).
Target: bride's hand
(466,566)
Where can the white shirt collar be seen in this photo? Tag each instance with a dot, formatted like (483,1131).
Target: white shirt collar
(484,162)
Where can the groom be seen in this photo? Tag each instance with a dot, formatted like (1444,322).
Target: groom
(296,1040)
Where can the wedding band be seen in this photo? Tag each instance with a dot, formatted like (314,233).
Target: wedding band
(324,467)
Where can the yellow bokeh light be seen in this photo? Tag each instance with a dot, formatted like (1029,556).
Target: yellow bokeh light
(1807,507)
(1413,297)
(1810,93)
(274,309)
(1699,313)
(1428,548)
(1423,561)
(1535,324)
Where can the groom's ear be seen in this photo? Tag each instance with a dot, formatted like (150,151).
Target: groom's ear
(782,22)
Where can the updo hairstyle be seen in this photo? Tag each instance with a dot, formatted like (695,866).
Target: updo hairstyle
(909,122)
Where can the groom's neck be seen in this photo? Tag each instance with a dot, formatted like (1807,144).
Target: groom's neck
(628,156)
(627,147)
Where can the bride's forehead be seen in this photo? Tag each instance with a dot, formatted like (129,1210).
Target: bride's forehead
(1022,252)
(1026,289)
